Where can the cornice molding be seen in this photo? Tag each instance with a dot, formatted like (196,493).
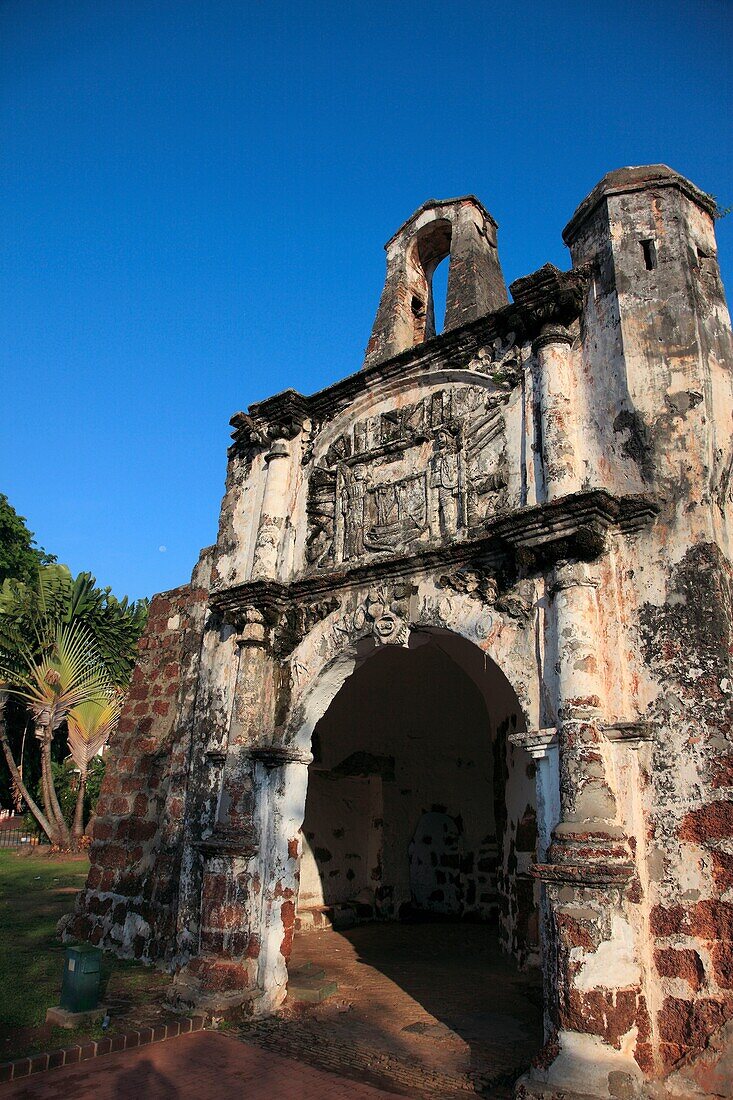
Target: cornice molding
(535,538)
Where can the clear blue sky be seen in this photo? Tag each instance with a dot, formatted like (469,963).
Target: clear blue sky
(194,196)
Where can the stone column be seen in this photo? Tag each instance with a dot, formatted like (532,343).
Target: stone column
(273,513)
(592,972)
(560,388)
(587,803)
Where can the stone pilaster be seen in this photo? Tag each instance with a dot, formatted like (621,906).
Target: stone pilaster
(281,782)
(593,979)
(559,390)
(273,513)
(542,746)
(587,831)
(225,972)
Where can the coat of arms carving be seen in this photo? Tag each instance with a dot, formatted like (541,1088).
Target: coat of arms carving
(421,473)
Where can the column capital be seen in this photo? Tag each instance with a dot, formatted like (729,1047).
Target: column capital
(538,743)
(252,627)
(279,449)
(573,574)
(551,334)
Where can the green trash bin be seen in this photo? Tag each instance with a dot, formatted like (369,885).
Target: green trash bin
(82,975)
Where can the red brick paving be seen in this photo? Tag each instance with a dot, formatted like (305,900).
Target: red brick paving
(193,1067)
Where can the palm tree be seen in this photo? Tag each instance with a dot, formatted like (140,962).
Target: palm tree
(115,625)
(90,639)
(60,672)
(89,726)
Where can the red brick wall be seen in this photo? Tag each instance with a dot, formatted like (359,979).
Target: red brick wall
(129,903)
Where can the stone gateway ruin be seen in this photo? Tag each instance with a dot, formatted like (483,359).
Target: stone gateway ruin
(463,646)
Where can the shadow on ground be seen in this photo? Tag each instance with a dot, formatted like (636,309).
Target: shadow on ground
(427,1009)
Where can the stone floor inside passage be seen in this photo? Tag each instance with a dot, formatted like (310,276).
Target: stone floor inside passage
(424,1009)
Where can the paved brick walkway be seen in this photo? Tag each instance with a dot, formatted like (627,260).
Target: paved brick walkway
(194,1067)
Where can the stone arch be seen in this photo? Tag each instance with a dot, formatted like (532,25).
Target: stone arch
(506,716)
(430,246)
(334,647)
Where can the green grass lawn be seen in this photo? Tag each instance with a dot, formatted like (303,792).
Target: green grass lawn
(36,890)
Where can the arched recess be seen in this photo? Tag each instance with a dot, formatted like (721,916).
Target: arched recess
(437,809)
(431,245)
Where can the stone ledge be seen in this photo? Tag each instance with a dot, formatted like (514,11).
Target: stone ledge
(227,844)
(583,875)
(96,1048)
(544,531)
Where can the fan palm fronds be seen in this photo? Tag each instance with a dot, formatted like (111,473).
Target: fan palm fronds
(89,726)
(62,672)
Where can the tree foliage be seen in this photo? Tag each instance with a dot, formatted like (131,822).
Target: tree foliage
(20,558)
(55,596)
(67,650)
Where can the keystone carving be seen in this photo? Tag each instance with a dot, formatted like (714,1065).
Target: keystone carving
(385,612)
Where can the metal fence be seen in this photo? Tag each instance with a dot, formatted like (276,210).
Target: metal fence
(14,833)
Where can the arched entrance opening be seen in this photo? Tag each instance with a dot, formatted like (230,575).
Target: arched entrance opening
(416,845)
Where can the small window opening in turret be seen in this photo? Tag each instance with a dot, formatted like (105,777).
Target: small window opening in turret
(418,306)
(649,249)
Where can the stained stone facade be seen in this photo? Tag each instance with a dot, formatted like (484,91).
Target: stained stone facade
(539,499)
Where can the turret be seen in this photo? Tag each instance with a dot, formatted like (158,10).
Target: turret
(660,327)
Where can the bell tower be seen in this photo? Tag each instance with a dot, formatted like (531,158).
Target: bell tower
(464,231)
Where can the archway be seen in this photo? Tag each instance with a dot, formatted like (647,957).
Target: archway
(418,834)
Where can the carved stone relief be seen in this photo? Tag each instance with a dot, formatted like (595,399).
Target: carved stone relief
(479,583)
(420,473)
(502,361)
(472,581)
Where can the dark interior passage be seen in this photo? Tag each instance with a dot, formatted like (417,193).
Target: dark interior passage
(414,807)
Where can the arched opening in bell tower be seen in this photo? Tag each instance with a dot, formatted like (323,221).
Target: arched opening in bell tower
(439,288)
(428,250)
